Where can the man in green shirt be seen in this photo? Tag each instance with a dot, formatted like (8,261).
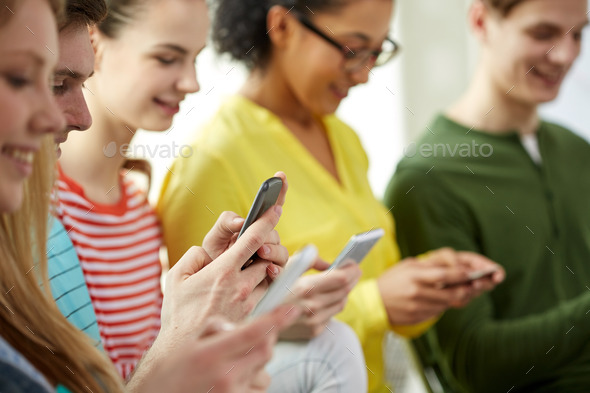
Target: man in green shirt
(489,176)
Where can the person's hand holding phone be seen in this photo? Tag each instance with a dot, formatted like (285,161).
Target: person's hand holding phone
(320,296)
(225,232)
(415,290)
(484,274)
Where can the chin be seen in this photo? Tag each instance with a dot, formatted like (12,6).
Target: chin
(11,201)
(157,125)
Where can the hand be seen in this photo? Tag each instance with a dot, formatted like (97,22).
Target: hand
(227,358)
(413,292)
(225,232)
(477,262)
(320,297)
(197,288)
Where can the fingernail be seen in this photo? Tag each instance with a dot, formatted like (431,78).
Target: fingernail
(238,220)
(278,210)
(274,269)
(265,250)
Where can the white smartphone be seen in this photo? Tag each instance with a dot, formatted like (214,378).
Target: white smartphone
(472,276)
(299,263)
(357,248)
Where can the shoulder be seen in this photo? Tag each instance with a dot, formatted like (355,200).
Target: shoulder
(562,135)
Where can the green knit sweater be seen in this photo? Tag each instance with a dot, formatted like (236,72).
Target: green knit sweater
(478,191)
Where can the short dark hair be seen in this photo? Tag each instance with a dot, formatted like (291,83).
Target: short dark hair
(503,6)
(239,26)
(83,12)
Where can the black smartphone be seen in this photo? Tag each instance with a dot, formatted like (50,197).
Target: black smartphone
(265,198)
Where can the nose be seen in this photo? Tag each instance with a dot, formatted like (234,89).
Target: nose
(361,74)
(77,113)
(566,51)
(188,82)
(47,118)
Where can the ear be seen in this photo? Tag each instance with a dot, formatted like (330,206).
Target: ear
(478,19)
(96,41)
(279,25)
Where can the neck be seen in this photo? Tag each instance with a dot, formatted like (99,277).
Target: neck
(269,89)
(484,107)
(93,158)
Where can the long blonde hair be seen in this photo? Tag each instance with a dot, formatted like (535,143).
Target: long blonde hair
(29,318)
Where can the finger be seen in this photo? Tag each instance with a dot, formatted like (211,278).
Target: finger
(273,238)
(323,315)
(228,224)
(275,253)
(320,264)
(283,193)
(191,262)
(255,274)
(335,279)
(476,261)
(260,382)
(443,256)
(440,275)
(273,271)
(259,292)
(253,238)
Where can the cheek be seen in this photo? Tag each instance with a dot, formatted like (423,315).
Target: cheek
(312,80)
(14,115)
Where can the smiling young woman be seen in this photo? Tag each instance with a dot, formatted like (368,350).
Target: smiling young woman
(29,320)
(144,67)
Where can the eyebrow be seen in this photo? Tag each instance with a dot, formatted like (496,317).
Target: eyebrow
(173,47)
(553,26)
(72,74)
(38,59)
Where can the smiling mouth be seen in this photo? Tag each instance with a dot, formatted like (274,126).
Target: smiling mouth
(23,156)
(549,77)
(167,104)
(340,93)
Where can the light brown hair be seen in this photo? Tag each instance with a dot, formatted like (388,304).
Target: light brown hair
(29,318)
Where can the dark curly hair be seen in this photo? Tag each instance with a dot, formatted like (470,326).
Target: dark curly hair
(239,26)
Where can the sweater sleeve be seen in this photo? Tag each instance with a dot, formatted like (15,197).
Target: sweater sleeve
(486,354)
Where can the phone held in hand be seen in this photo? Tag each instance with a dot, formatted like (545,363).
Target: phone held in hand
(357,248)
(472,276)
(300,262)
(265,198)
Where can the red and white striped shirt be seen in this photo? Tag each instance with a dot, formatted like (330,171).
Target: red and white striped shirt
(118,246)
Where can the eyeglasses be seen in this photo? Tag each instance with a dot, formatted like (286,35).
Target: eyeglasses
(353,61)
